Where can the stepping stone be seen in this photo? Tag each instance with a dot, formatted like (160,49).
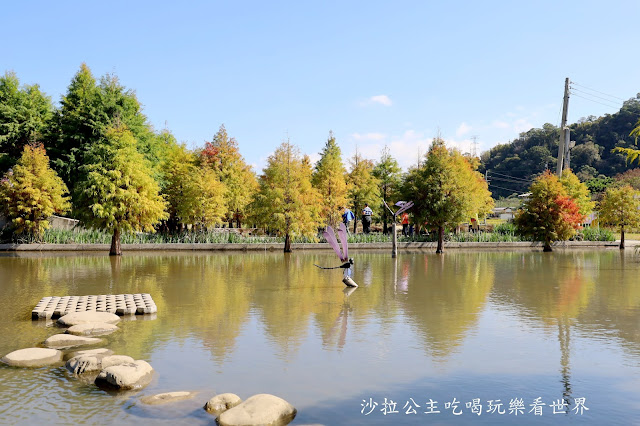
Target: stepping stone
(261,409)
(90,363)
(100,351)
(168,397)
(221,403)
(92,329)
(60,341)
(76,318)
(32,357)
(135,375)
(121,304)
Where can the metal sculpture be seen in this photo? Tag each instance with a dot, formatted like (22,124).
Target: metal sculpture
(343,254)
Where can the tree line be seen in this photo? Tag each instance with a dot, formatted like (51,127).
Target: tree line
(95,157)
(595,158)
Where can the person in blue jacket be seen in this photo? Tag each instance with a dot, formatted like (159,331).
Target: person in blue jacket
(347,217)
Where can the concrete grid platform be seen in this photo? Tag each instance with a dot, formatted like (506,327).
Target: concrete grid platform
(119,304)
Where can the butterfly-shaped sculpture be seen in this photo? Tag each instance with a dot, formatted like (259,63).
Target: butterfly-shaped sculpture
(343,254)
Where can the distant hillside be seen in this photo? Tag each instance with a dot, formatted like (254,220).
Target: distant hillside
(511,166)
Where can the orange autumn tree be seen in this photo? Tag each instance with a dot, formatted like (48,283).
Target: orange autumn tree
(549,214)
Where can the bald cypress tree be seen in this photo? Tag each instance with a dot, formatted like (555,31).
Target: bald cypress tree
(364,187)
(25,114)
(118,193)
(31,192)
(329,179)
(448,190)
(286,202)
(387,171)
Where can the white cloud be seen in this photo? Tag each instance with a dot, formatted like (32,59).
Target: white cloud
(499,124)
(314,158)
(406,148)
(522,125)
(463,129)
(378,99)
(368,136)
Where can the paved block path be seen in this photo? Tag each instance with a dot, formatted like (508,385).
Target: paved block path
(119,304)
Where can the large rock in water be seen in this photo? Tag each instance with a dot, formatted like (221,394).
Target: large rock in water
(134,375)
(261,409)
(69,341)
(32,357)
(221,403)
(76,318)
(91,329)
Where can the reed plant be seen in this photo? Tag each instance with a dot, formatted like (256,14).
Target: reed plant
(502,233)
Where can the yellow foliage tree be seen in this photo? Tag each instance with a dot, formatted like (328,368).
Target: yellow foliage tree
(32,192)
(119,193)
(620,207)
(329,179)
(195,194)
(223,156)
(286,201)
(578,191)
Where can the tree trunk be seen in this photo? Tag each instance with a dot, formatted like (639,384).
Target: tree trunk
(355,224)
(287,244)
(547,246)
(116,249)
(385,228)
(622,237)
(440,248)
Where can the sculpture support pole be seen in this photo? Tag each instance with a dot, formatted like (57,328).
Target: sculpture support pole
(394,247)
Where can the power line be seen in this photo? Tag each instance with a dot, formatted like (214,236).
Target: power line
(508,180)
(593,90)
(512,177)
(608,105)
(594,96)
(506,189)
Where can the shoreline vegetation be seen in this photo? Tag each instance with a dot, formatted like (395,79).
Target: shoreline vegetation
(501,234)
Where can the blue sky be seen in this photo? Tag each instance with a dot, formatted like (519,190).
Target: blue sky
(374,72)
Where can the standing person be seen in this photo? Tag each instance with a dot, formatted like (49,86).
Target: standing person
(347,217)
(366,218)
(405,224)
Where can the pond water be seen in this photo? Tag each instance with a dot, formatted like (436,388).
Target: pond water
(423,333)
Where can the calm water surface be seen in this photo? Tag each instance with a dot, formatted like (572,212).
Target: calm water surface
(449,329)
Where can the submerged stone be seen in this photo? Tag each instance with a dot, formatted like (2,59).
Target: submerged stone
(168,397)
(32,357)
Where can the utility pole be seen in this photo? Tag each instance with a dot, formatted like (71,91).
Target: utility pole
(564,139)
(568,144)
